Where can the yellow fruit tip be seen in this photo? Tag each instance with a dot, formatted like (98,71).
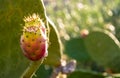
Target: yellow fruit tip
(32,17)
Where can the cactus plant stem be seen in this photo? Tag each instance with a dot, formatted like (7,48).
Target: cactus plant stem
(34,65)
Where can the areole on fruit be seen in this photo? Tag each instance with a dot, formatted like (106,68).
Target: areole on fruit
(34,38)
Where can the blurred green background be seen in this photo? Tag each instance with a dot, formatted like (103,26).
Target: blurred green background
(71,16)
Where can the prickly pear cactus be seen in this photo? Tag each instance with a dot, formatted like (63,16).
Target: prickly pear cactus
(104,48)
(84,74)
(12,61)
(79,51)
(54,49)
(34,38)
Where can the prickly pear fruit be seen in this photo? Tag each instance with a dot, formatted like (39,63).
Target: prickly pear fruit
(84,33)
(33,41)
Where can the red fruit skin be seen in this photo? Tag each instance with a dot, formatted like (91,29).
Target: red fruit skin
(34,50)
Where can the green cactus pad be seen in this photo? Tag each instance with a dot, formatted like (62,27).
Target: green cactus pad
(12,61)
(54,50)
(75,49)
(84,74)
(104,48)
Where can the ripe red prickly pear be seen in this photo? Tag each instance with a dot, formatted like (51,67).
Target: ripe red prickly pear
(34,38)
